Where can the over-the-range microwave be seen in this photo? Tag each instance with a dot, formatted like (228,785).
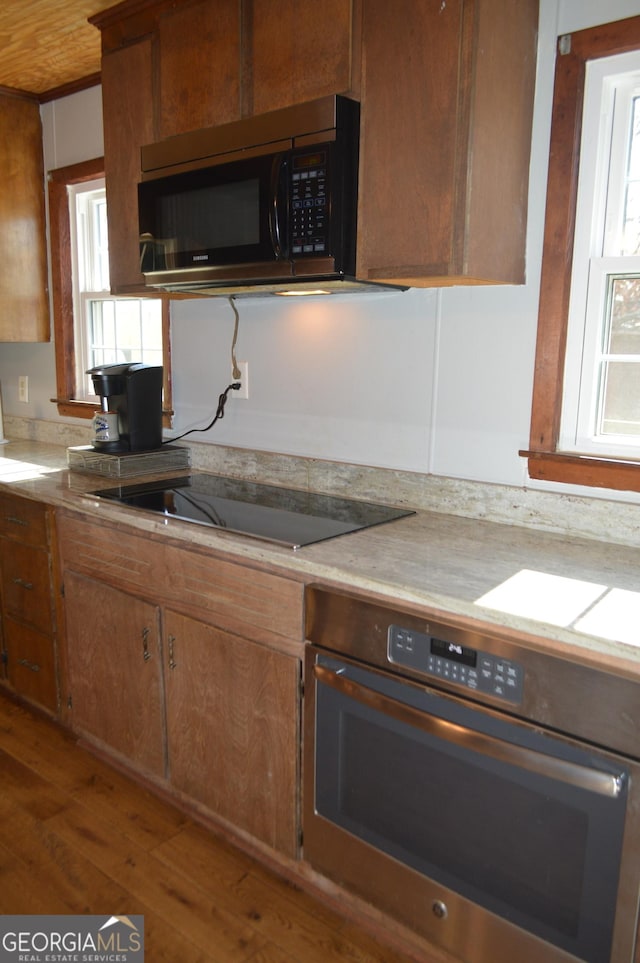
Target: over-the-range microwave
(262,203)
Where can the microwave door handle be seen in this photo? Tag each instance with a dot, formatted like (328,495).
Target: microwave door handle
(592,780)
(277,169)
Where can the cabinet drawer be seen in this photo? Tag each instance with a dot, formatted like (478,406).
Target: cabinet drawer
(247,601)
(24,575)
(30,663)
(23,520)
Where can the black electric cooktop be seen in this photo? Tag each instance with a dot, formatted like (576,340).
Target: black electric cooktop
(268,512)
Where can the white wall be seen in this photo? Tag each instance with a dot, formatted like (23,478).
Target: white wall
(428,380)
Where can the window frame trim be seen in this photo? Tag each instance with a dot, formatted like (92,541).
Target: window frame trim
(62,295)
(546,461)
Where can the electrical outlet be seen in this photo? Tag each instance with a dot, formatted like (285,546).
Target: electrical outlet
(243,391)
(23,388)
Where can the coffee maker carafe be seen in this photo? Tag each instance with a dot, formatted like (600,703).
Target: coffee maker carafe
(130,416)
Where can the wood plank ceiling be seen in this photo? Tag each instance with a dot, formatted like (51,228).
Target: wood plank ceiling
(46,45)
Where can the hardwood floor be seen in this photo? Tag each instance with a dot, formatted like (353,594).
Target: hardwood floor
(78,837)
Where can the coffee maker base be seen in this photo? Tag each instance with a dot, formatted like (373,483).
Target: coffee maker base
(85,458)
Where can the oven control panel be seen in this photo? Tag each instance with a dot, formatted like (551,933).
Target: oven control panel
(459,664)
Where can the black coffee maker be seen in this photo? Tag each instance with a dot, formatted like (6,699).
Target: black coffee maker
(130,416)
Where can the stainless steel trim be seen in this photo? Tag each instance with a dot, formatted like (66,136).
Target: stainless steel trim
(557,687)
(591,780)
(275,126)
(235,155)
(212,274)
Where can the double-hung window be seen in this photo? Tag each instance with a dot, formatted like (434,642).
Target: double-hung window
(91,326)
(108,330)
(585,426)
(601,404)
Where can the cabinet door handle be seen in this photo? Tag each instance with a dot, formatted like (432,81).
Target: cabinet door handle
(29,665)
(14,520)
(22,583)
(172,661)
(146,654)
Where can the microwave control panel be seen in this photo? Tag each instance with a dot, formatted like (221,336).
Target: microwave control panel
(309,214)
(459,664)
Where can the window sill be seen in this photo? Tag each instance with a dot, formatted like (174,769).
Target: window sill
(584,470)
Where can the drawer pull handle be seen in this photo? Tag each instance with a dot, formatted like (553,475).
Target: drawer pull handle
(172,661)
(29,665)
(146,654)
(23,583)
(14,520)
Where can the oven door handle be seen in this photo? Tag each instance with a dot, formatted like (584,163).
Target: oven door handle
(592,780)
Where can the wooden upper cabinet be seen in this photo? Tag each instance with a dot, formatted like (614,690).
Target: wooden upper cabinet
(23,259)
(127,96)
(294,52)
(447,92)
(198,57)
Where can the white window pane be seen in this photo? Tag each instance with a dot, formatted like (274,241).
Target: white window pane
(102,245)
(128,329)
(151,324)
(621,399)
(152,357)
(102,344)
(623,335)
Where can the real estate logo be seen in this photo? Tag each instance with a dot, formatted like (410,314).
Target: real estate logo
(71,939)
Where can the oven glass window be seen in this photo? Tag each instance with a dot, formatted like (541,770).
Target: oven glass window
(537,851)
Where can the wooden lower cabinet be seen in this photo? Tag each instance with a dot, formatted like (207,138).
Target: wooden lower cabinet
(28,640)
(30,663)
(24,571)
(114,670)
(232,727)
(188,667)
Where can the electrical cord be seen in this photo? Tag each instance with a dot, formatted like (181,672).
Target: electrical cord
(235,370)
(222,400)
(234,386)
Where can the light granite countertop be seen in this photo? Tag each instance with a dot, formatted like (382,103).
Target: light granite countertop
(577,596)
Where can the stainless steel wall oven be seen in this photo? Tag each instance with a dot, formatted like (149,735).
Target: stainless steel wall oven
(485,793)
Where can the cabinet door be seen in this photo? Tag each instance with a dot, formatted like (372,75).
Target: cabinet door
(24,520)
(199,75)
(408,141)
(128,111)
(26,583)
(295,52)
(23,259)
(445,144)
(232,726)
(29,623)
(115,671)
(30,663)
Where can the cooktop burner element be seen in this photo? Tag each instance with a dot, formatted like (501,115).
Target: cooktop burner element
(281,515)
